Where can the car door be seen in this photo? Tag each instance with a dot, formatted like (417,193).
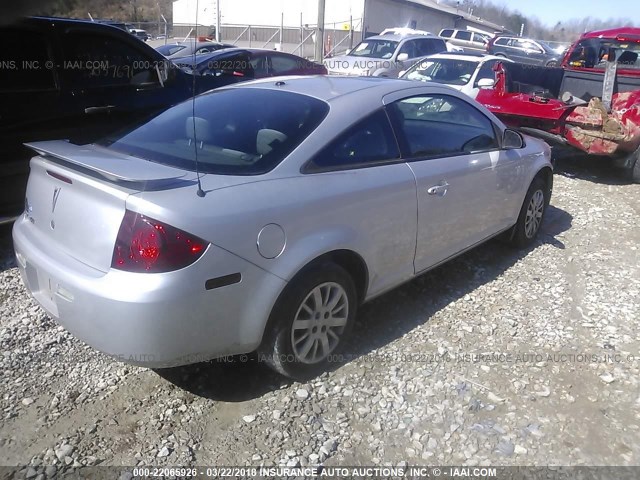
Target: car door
(112,79)
(514,51)
(454,152)
(364,171)
(463,38)
(30,108)
(533,53)
(524,50)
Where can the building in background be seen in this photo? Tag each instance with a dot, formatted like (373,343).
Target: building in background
(257,22)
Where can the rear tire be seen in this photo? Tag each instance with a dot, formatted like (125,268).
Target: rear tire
(310,322)
(531,214)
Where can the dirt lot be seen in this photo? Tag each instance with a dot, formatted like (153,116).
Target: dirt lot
(498,358)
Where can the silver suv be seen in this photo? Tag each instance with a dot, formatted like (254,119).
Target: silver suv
(469,41)
(384,55)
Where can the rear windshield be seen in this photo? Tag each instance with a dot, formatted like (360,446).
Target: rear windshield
(594,52)
(243,131)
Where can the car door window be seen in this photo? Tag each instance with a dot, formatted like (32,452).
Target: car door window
(92,60)
(26,67)
(486,71)
(282,64)
(463,35)
(259,66)
(370,141)
(429,46)
(409,48)
(446,33)
(441,125)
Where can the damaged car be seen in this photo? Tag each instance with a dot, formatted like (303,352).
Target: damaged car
(591,103)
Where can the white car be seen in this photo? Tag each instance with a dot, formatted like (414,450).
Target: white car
(467,72)
(410,31)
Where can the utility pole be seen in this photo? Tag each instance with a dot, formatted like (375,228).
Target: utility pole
(319,56)
(217,20)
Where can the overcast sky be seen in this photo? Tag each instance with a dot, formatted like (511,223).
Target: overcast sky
(554,11)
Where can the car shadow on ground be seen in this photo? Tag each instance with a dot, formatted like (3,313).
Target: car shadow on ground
(379,322)
(591,168)
(7,256)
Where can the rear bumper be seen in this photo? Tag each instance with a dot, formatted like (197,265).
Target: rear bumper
(151,320)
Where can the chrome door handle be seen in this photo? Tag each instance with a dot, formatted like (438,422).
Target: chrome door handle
(440,190)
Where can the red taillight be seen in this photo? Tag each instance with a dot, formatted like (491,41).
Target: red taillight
(147,245)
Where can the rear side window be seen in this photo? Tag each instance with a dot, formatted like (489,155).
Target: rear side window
(370,141)
(281,64)
(463,35)
(240,131)
(446,33)
(502,41)
(23,66)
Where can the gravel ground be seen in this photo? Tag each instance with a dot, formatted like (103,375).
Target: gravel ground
(498,358)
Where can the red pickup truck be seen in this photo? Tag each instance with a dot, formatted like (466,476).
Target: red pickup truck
(591,102)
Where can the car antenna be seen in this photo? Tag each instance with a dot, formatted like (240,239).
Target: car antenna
(200,191)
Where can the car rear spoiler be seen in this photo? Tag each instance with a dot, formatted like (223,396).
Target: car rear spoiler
(113,166)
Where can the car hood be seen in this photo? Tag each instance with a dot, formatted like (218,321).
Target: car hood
(349,65)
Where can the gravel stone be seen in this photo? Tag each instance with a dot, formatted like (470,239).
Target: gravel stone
(503,357)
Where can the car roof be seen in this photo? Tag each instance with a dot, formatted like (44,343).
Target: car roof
(397,38)
(223,52)
(472,57)
(330,87)
(612,33)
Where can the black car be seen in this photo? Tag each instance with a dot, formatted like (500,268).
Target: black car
(232,65)
(73,79)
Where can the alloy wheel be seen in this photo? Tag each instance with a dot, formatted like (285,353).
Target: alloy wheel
(319,322)
(533,218)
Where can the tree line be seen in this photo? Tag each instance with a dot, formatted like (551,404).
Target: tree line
(512,19)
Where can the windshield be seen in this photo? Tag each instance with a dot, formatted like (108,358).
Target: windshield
(546,47)
(375,49)
(442,70)
(243,131)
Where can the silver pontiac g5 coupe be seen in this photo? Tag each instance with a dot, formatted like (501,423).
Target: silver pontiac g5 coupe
(258,217)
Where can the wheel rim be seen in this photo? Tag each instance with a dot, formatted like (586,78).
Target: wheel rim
(319,322)
(535,209)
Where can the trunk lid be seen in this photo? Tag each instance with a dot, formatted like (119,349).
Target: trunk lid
(76,196)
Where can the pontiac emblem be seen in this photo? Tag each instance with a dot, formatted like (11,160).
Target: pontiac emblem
(56,194)
(54,202)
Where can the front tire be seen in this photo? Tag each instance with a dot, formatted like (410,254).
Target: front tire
(310,322)
(531,214)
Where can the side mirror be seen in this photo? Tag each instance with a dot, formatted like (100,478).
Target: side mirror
(486,82)
(512,140)
(403,57)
